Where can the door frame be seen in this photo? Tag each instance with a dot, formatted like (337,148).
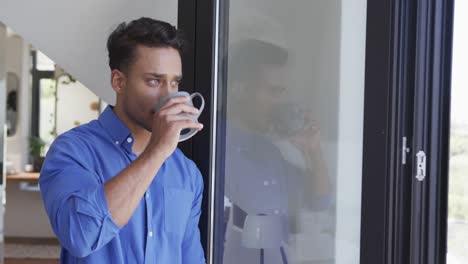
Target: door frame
(431,129)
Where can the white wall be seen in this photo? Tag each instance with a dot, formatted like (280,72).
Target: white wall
(3,44)
(18,61)
(74,33)
(74,105)
(2,116)
(3,33)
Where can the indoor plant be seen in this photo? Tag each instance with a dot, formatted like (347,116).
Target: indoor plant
(36,150)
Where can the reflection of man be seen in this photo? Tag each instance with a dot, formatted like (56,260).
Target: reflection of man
(117,190)
(261,177)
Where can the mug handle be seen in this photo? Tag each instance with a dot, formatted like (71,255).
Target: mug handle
(202,101)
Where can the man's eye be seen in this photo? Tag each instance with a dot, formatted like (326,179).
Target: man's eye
(175,83)
(154,82)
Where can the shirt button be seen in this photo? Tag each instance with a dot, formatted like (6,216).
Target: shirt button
(150,233)
(147,195)
(266,183)
(117,142)
(129,140)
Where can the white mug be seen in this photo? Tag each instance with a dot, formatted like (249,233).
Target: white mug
(28,168)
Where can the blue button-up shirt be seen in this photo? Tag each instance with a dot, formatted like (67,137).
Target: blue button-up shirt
(164,227)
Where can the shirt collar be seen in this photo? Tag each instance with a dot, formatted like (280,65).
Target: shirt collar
(113,125)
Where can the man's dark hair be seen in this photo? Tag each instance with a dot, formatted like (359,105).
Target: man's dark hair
(123,41)
(247,56)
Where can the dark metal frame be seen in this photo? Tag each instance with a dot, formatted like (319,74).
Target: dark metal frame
(389,98)
(187,22)
(196,19)
(383,128)
(219,218)
(431,129)
(36,77)
(408,64)
(403,50)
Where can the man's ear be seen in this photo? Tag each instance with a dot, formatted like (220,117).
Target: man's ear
(118,81)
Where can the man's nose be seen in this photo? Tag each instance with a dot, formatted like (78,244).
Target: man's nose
(166,89)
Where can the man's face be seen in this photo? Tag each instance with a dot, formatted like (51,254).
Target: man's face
(154,73)
(266,91)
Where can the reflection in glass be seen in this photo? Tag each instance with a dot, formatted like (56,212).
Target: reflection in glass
(294,114)
(275,170)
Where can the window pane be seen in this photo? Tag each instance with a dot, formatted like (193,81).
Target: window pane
(295,97)
(458,181)
(47,110)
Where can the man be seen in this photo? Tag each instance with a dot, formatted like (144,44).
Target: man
(117,190)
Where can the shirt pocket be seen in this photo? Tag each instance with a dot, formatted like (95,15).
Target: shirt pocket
(177,207)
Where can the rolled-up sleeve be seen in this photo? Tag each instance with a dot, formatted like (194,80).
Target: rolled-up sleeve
(192,251)
(74,198)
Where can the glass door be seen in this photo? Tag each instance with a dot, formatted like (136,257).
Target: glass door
(290,131)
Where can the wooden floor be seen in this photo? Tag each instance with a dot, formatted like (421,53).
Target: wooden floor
(30,261)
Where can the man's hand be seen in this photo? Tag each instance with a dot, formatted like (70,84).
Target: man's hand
(168,122)
(307,139)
